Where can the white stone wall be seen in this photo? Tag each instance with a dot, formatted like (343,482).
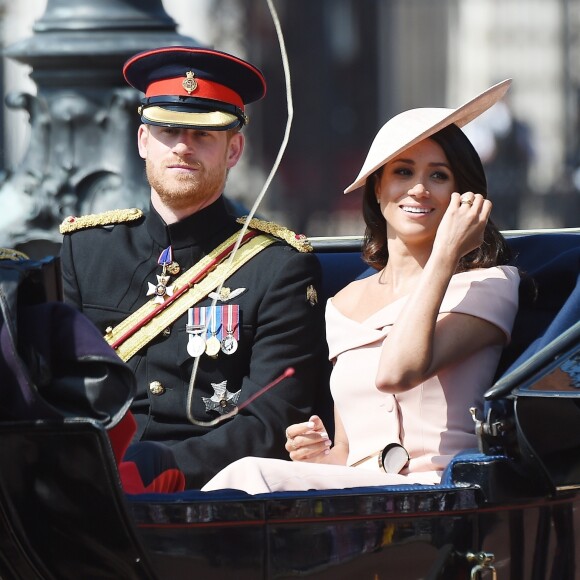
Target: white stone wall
(193,18)
(522,40)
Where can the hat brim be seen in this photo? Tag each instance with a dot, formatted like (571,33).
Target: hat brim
(214,120)
(408,128)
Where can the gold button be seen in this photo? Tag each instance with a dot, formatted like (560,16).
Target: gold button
(156,388)
(166,331)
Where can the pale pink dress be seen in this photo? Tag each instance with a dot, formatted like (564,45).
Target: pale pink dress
(432,421)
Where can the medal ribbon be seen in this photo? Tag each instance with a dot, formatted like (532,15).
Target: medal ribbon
(231,316)
(165,258)
(214,320)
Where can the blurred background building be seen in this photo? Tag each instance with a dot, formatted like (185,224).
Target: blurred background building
(353,64)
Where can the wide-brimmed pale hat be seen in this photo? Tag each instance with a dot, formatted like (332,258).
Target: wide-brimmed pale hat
(408,128)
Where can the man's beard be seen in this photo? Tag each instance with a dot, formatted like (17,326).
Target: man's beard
(185,190)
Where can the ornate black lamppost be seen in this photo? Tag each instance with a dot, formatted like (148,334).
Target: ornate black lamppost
(82,157)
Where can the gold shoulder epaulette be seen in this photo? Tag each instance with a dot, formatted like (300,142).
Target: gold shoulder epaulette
(13,255)
(298,241)
(107,218)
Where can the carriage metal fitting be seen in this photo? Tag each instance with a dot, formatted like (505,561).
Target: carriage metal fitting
(486,429)
(483,563)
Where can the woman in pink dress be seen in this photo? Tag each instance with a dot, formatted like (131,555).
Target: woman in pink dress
(416,344)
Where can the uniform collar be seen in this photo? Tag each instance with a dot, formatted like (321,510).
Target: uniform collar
(211,222)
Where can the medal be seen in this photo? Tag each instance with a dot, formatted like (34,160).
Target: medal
(212,329)
(195,329)
(229,344)
(174,268)
(222,400)
(162,289)
(195,345)
(213,345)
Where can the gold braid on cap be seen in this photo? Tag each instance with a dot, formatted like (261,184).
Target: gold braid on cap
(107,218)
(13,255)
(298,241)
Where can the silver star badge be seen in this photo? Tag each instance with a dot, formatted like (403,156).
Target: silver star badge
(222,400)
(160,290)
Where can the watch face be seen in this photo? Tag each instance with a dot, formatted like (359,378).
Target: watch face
(393,458)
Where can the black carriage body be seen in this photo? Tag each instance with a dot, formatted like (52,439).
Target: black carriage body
(512,506)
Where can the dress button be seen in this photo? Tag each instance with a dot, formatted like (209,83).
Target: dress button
(389,404)
(156,388)
(166,331)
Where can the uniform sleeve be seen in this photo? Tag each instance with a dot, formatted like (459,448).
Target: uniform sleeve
(289,334)
(70,287)
(490,294)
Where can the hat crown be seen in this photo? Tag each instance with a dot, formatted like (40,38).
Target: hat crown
(174,61)
(416,121)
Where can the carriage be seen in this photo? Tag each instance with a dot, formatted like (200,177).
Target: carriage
(509,509)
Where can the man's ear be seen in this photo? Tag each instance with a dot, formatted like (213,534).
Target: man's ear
(235,149)
(142,137)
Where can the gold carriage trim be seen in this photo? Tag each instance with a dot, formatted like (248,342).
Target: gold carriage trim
(13,255)
(298,241)
(107,218)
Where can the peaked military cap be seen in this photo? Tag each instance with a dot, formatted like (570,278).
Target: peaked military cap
(195,88)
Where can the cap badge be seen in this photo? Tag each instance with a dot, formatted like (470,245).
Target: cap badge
(189,83)
(312,295)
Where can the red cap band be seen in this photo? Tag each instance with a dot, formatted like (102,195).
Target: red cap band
(205,89)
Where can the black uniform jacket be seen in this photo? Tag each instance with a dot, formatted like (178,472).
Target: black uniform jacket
(106,271)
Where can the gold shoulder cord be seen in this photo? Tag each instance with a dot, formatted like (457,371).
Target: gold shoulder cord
(146,333)
(72,223)
(12,255)
(298,241)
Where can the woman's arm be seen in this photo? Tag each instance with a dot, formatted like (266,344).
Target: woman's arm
(421,341)
(310,442)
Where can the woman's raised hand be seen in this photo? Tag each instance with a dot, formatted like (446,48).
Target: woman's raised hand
(462,227)
(308,441)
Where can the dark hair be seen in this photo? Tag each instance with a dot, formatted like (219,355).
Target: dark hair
(469,176)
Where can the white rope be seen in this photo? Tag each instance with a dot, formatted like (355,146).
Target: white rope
(255,206)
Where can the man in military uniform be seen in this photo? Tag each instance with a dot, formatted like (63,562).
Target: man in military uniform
(204,332)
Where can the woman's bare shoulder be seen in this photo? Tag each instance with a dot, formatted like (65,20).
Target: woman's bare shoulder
(351,293)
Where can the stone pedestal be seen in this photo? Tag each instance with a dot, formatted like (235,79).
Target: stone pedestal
(82,157)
